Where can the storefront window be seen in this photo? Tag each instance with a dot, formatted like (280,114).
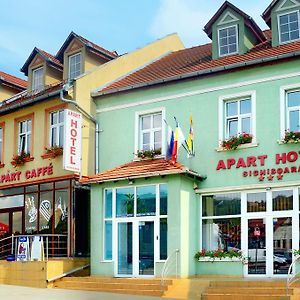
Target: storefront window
(46,212)
(163,193)
(221,205)
(31,213)
(125,202)
(46,186)
(146,200)
(14,191)
(61,211)
(108,204)
(108,225)
(256,202)
(282,200)
(222,234)
(163,232)
(31,188)
(12,201)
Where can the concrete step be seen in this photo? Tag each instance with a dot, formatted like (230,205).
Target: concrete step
(248,283)
(247,296)
(248,290)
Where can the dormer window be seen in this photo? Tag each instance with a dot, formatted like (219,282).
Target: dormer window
(228,40)
(288,27)
(38,79)
(74,65)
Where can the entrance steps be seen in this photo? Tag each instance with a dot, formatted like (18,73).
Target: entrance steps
(244,289)
(132,286)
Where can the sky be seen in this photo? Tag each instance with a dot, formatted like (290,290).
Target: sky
(121,25)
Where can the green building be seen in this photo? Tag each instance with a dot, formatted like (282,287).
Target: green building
(240,189)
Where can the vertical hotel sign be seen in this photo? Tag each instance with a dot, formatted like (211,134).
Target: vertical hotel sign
(72,148)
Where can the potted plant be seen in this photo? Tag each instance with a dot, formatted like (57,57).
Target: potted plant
(291,137)
(20,159)
(53,151)
(148,154)
(219,254)
(233,142)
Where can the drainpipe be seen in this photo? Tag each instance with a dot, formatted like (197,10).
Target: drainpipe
(89,116)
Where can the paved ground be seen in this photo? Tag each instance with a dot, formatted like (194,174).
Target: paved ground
(12,292)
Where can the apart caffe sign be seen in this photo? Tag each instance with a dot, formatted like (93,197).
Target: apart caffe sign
(255,166)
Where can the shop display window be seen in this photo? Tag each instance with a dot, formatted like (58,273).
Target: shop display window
(146,200)
(256,202)
(282,200)
(125,202)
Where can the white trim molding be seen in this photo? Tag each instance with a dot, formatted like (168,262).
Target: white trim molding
(237,40)
(228,14)
(281,8)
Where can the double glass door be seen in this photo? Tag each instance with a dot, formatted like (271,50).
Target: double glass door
(136,248)
(11,222)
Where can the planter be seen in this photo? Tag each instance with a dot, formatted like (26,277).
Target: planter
(217,259)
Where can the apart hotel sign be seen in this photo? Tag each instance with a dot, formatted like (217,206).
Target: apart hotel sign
(72,146)
(254,166)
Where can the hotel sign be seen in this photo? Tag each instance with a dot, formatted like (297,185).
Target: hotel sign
(72,147)
(254,166)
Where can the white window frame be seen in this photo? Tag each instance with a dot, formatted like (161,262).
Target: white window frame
(74,75)
(284,111)
(58,127)
(26,134)
(138,132)
(222,118)
(237,40)
(278,26)
(37,82)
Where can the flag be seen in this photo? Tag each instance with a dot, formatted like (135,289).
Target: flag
(190,140)
(170,141)
(178,141)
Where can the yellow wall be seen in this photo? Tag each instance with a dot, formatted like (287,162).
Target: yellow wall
(6,92)
(52,76)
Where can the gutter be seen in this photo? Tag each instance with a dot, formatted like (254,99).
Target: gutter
(89,116)
(199,73)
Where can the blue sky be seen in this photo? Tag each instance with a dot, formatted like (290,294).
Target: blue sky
(121,25)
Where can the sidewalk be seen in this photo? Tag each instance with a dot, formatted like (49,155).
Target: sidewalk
(12,292)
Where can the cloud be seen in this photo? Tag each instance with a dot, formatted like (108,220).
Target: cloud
(188,17)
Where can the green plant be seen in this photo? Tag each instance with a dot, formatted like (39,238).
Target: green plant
(54,151)
(148,153)
(233,142)
(20,159)
(296,252)
(291,137)
(219,254)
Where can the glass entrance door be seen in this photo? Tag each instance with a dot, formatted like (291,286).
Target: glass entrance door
(146,248)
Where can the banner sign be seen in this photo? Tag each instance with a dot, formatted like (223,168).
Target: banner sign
(72,147)
(23,249)
(254,166)
(37,248)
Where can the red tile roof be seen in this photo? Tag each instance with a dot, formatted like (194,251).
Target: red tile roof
(50,57)
(18,82)
(197,61)
(137,169)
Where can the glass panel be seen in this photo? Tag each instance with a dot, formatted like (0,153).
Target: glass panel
(157,137)
(46,186)
(163,242)
(232,48)
(146,138)
(221,205)
(246,125)
(257,246)
(146,200)
(4,225)
(146,248)
(283,19)
(163,192)
(31,213)
(17,222)
(245,106)
(125,202)
(293,99)
(224,234)
(282,200)
(146,122)
(62,198)
(62,184)
(108,203)
(12,201)
(125,248)
(285,37)
(108,240)
(256,202)
(61,116)
(295,34)
(293,17)
(46,212)
(231,30)
(282,237)
(222,33)
(223,41)
(31,188)
(294,120)
(232,128)
(231,109)
(14,191)
(157,121)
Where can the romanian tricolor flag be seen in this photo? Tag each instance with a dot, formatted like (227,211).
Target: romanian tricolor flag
(190,140)
(178,141)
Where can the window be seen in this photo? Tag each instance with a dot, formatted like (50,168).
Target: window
(151,131)
(288,27)
(228,40)
(293,110)
(237,117)
(38,79)
(74,65)
(108,225)
(24,142)
(57,128)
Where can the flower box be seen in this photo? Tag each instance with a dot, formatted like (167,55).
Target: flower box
(19,160)
(53,152)
(234,142)
(148,154)
(221,259)
(291,137)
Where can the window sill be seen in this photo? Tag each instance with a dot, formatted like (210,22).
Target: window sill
(244,146)
(49,155)
(106,261)
(280,142)
(149,158)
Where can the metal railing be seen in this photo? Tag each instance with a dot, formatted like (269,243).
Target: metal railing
(55,245)
(293,275)
(168,264)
